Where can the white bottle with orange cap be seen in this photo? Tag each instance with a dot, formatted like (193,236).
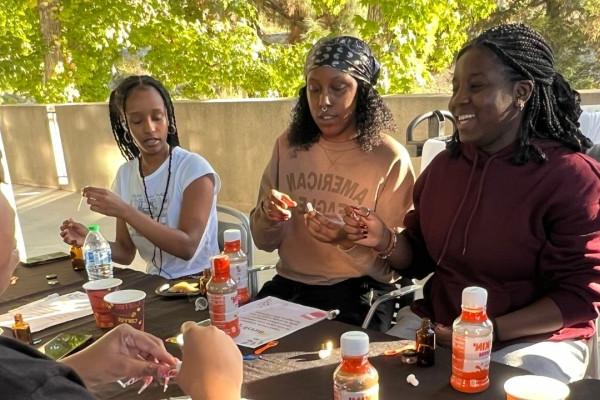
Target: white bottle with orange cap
(221,292)
(238,262)
(355,378)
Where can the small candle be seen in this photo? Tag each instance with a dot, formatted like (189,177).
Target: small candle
(326,350)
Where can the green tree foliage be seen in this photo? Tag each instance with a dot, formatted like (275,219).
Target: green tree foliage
(418,38)
(75,50)
(572,28)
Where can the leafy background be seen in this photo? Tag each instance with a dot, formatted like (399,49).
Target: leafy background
(55,51)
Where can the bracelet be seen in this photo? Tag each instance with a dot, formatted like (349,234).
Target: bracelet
(390,247)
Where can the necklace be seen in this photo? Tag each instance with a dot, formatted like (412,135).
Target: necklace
(333,160)
(162,205)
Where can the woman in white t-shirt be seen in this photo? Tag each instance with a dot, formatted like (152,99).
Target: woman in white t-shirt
(164,197)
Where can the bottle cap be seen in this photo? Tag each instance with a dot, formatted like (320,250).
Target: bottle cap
(474,297)
(354,344)
(231,235)
(220,265)
(94,228)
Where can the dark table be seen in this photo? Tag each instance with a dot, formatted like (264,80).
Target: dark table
(289,371)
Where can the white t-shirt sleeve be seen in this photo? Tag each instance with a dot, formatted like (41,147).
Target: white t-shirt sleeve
(195,166)
(119,183)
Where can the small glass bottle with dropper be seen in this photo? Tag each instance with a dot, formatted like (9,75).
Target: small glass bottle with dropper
(425,343)
(21,330)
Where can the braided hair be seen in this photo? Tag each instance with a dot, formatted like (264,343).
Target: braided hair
(553,110)
(118,121)
(373,118)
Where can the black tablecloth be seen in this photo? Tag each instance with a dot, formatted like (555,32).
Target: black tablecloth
(292,370)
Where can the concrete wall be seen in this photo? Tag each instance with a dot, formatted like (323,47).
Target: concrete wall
(27,144)
(236,137)
(91,155)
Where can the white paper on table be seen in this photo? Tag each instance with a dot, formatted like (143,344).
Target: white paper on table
(271,318)
(51,310)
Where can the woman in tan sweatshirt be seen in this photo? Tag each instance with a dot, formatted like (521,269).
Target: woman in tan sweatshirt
(334,153)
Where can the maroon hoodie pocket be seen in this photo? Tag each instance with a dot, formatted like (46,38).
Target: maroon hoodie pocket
(511,296)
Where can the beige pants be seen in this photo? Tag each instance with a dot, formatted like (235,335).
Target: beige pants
(566,361)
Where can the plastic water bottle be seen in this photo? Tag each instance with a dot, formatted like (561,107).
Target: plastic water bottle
(471,343)
(238,263)
(97,255)
(355,377)
(221,292)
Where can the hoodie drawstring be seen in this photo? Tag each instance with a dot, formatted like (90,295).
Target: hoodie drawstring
(477,199)
(462,203)
(458,210)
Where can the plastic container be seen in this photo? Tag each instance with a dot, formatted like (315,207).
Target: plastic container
(221,292)
(355,378)
(532,387)
(238,263)
(97,255)
(471,343)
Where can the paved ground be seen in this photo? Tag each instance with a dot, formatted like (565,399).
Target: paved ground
(42,210)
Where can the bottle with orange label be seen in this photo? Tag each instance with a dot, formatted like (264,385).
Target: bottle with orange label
(238,262)
(472,334)
(221,292)
(355,378)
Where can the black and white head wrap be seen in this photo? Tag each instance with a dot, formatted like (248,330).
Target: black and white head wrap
(347,54)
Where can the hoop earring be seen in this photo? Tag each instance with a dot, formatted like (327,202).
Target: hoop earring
(520,104)
(127,137)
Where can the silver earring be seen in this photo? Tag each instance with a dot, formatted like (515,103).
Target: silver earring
(520,104)
(324,109)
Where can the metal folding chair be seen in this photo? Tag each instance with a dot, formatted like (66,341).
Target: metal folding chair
(232,218)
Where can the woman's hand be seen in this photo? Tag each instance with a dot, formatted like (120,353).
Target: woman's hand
(325,229)
(212,364)
(443,335)
(105,202)
(364,227)
(123,352)
(276,206)
(73,233)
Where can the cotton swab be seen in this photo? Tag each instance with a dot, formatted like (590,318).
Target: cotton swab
(80,202)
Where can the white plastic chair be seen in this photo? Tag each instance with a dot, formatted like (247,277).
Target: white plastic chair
(431,148)
(589,122)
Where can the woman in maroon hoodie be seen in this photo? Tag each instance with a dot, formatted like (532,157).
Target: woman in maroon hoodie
(512,205)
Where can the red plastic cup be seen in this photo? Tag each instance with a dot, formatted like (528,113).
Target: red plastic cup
(127,307)
(96,290)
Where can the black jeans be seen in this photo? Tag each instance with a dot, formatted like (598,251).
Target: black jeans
(352,297)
